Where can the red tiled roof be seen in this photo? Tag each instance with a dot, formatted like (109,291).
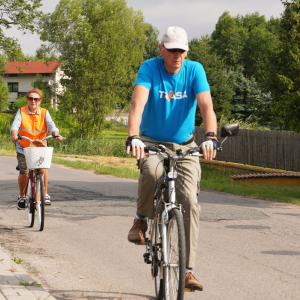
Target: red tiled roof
(31,67)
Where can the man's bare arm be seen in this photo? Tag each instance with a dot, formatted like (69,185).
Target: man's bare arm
(208,115)
(138,102)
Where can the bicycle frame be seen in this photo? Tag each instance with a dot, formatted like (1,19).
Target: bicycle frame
(159,246)
(33,174)
(162,217)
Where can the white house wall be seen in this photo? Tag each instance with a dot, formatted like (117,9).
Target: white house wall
(25,84)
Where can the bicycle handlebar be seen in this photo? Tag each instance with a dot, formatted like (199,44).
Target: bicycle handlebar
(152,150)
(21,137)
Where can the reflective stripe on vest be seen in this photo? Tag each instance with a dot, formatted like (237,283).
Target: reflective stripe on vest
(33,126)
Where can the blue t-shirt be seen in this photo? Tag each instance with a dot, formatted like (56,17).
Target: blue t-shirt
(169,114)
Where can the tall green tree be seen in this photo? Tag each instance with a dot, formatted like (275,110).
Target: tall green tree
(151,44)
(249,41)
(249,100)
(228,40)
(286,68)
(23,14)
(4,93)
(101,43)
(220,84)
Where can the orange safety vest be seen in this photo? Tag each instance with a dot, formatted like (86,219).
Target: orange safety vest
(33,126)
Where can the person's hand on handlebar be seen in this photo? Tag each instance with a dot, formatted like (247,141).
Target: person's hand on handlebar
(134,144)
(14,138)
(209,148)
(56,136)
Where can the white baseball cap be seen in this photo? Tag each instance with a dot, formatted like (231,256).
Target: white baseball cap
(175,38)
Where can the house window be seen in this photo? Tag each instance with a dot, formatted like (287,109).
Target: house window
(12,75)
(22,94)
(13,86)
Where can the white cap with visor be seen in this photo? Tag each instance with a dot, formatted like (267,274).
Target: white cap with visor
(175,38)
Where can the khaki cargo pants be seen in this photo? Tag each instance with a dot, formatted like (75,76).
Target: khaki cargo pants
(187,189)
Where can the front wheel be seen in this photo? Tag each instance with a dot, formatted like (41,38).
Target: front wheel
(174,272)
(157,262)
(40,201)
(30,206)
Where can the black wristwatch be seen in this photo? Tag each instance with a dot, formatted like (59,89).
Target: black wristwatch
(210,134)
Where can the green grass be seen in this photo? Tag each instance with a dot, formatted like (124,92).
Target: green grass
(98,169)
(18,261)
(219,180)
(115,133)
(212,179)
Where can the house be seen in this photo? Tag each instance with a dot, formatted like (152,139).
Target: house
(19,76)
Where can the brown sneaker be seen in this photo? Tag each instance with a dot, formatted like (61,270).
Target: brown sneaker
(192,283)
(137,232)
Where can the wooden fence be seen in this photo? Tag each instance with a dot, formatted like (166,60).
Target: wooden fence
(262,148)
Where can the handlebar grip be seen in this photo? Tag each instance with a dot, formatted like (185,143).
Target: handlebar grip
(151,148)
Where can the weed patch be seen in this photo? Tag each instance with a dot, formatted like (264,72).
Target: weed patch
(26,283)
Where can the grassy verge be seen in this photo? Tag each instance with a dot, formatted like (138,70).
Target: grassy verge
(219,180)
(5,152)
(115,166)
(212,179)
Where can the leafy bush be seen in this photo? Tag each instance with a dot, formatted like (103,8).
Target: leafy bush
(5,123)
(90,146)
(247,124)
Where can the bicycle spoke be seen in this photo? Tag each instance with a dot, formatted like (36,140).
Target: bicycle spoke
(175,271)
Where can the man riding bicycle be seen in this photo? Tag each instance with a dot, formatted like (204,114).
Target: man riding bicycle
(166,93)
(33,122)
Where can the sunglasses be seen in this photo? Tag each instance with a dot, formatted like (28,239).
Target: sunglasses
(175,50)
(33,99)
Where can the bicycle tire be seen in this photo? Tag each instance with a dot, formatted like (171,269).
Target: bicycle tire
(174,273)
(30,206)
(40,201)
(157,260)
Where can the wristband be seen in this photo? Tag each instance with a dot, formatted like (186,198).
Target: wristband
(130,138)
(210,134)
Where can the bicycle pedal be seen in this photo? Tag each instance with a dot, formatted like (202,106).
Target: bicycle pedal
(143,243)
(189,290)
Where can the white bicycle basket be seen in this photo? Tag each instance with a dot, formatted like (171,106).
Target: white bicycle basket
(38,157)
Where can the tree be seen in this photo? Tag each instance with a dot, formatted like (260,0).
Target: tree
(23,14)
(286,68)
(151,45)
(228,40)
(249,41)
(4,93)
(249,100)
(220,83)
(46,53)
(101,43)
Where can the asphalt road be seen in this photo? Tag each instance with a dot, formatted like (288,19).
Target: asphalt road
(248,248)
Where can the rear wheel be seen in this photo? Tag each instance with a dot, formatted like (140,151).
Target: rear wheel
(40,201)
(174,272)
(30,206)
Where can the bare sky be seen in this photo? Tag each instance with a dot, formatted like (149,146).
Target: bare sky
(197,17)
